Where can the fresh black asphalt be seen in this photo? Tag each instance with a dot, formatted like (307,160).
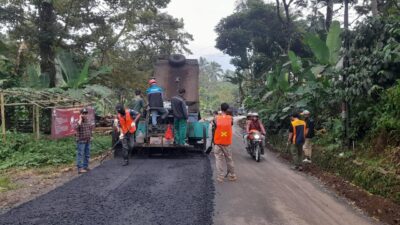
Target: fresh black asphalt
(160,190)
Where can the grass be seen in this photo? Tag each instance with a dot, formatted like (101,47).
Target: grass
(6,184)
(23,151)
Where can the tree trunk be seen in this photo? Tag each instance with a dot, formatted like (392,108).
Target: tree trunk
(47,20)
(286,6)
(241,92)
(288,25)
(329,14)
(345,104)
(278,10)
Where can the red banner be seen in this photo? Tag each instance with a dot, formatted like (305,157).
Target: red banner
(64,120)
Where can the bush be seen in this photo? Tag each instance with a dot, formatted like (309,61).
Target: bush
(22,150)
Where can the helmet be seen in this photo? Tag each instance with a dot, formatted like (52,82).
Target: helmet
(252,114)
(152,81)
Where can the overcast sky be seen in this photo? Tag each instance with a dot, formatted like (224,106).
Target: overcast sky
(201,17)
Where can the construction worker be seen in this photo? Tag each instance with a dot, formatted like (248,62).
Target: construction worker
(222,140)
(307,148)
(180,112)
(296,139)
(83,135)
(127,119)
(155,101)
(138,102)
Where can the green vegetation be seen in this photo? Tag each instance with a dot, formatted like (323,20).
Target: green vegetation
(86,47)
(348,77)
(22,150)
(6,184)
(93,52)
(214,86)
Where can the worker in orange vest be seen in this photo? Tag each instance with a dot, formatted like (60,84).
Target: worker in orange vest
(222,140)
(127,119)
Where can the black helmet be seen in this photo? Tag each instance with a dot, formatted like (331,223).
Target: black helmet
(84,111)
(120,109)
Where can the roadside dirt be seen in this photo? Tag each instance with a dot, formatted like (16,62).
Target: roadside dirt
(375,206)
(32,183)
(378,207)
(381,209)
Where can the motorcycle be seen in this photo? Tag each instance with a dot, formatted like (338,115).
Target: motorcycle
(255,147)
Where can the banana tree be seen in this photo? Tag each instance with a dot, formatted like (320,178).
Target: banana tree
(75,76)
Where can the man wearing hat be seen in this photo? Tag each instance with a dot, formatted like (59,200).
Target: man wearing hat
(307,147)
(155,101)
(83,138)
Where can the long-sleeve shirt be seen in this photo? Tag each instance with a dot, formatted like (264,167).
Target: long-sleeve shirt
(84,131)
(179,108)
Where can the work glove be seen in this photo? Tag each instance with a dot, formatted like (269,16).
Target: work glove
(133,124)
(121,136)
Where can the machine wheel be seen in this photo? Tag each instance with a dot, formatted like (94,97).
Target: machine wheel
(177,60)
(257,153)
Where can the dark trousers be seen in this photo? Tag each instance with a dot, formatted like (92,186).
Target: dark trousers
(128,142)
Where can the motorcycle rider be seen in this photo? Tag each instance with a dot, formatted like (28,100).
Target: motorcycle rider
(254,123)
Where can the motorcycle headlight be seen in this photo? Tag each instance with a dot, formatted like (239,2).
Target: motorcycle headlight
(257,136)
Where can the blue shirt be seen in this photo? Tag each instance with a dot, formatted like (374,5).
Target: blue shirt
(155,96)
(153,89)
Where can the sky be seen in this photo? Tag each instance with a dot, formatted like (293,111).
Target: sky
(200,18)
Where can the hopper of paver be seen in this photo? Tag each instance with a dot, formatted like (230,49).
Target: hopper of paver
(173,73)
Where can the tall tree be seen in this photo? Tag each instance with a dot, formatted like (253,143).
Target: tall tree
(47,34)
(94,25)
(329,13)
(255,37)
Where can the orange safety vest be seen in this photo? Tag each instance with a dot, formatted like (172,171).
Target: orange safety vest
(126,123)
(223,132)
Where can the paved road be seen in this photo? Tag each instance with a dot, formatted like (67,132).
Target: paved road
(269,193)
(180,191)
(156,191)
